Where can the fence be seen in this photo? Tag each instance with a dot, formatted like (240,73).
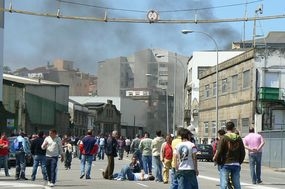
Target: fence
(273,153)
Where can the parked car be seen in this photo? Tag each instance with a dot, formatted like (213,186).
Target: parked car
(12,157)
(205,152)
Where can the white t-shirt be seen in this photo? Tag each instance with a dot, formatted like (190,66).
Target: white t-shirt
(184,151)
(137,176)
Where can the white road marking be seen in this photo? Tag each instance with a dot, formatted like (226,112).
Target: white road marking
(22,185)
(143,185)
(246,185)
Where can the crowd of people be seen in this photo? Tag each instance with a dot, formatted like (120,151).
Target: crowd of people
(165,159)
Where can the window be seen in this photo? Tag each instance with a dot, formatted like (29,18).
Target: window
(246,79)
(214,88)
(224,85)
(207,90)
(234,82)
(213,128)
(223,124)
(206,127)
(245,126)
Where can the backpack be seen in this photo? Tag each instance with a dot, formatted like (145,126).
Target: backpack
(17,145)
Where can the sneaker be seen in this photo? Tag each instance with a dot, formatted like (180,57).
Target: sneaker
(52,185)
(81,176)
(48,183)
(259,181)
(88,177)
(120,179)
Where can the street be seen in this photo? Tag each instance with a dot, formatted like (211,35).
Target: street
(208,178)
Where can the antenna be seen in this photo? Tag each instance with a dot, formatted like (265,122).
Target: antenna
(258,10)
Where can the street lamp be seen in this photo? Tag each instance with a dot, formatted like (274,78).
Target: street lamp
(217,73)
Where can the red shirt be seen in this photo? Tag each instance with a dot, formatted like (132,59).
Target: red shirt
(4,149)
(167,151)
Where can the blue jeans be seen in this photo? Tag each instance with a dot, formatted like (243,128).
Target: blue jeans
(157,168)
(51,165)
(187,179)
(20,164)
(147,164)
(225,171)
(39,160)
(174,181)
(255,166)
(126,173)
(101,152)
(4,164)
(84,159)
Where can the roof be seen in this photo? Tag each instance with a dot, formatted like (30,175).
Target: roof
(87,100)
(28,81)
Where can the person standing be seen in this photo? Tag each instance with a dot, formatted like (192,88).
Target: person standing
(101,147)
(145,148)
(39,155)
(121,147)
(128,145)
(166,155)
(4,152)
(53,146)
(230,155)
(88,147)
(186,162)
(156,148)
(21,150)
(135,148)
(254,142)
(111,152)
(68,154)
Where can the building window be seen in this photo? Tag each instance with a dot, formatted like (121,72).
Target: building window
(207,90)
(223,124)
(224,85)
(213,129)
(246,79)
(234,82)
(214,88)
(206,127)
(245,126)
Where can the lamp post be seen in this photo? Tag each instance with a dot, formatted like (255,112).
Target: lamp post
(166,96)
(217,73)
(174,87)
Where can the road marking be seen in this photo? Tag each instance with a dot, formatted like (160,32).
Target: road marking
(247,185)
(22,185)
(143,185)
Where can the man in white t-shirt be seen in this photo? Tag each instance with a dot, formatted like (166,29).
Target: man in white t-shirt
(186,162)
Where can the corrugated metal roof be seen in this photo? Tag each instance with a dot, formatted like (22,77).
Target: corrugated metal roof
(97,99)
(29,81)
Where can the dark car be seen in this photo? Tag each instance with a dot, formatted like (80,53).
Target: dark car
(205,152)
(12,157)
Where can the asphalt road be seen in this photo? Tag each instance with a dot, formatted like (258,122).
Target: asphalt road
(69,179)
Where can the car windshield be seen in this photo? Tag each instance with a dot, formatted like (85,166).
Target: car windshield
(204,147)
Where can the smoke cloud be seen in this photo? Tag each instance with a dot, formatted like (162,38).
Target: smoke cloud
(32,41)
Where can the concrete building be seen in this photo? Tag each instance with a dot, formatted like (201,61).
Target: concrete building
(34,105)
(199,62)
(132,114)
(151,71)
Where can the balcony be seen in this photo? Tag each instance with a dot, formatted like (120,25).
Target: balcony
(270,94)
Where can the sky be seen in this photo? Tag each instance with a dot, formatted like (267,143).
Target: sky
(33,41)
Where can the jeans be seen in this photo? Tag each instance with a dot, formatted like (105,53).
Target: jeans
(51,168)
(174,181)
(4,164)
(20,164)
(255,166)
(225,171)
(126,173)
(101,152)
(187,179)
(147,164)
(39,160)
(84,159)
(157,168)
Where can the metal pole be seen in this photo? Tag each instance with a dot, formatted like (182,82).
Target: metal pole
(167,125)
(174,97)
(217,75)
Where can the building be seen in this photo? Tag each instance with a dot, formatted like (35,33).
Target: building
(151,73)
(34,105)
(129,115)
(199,62)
